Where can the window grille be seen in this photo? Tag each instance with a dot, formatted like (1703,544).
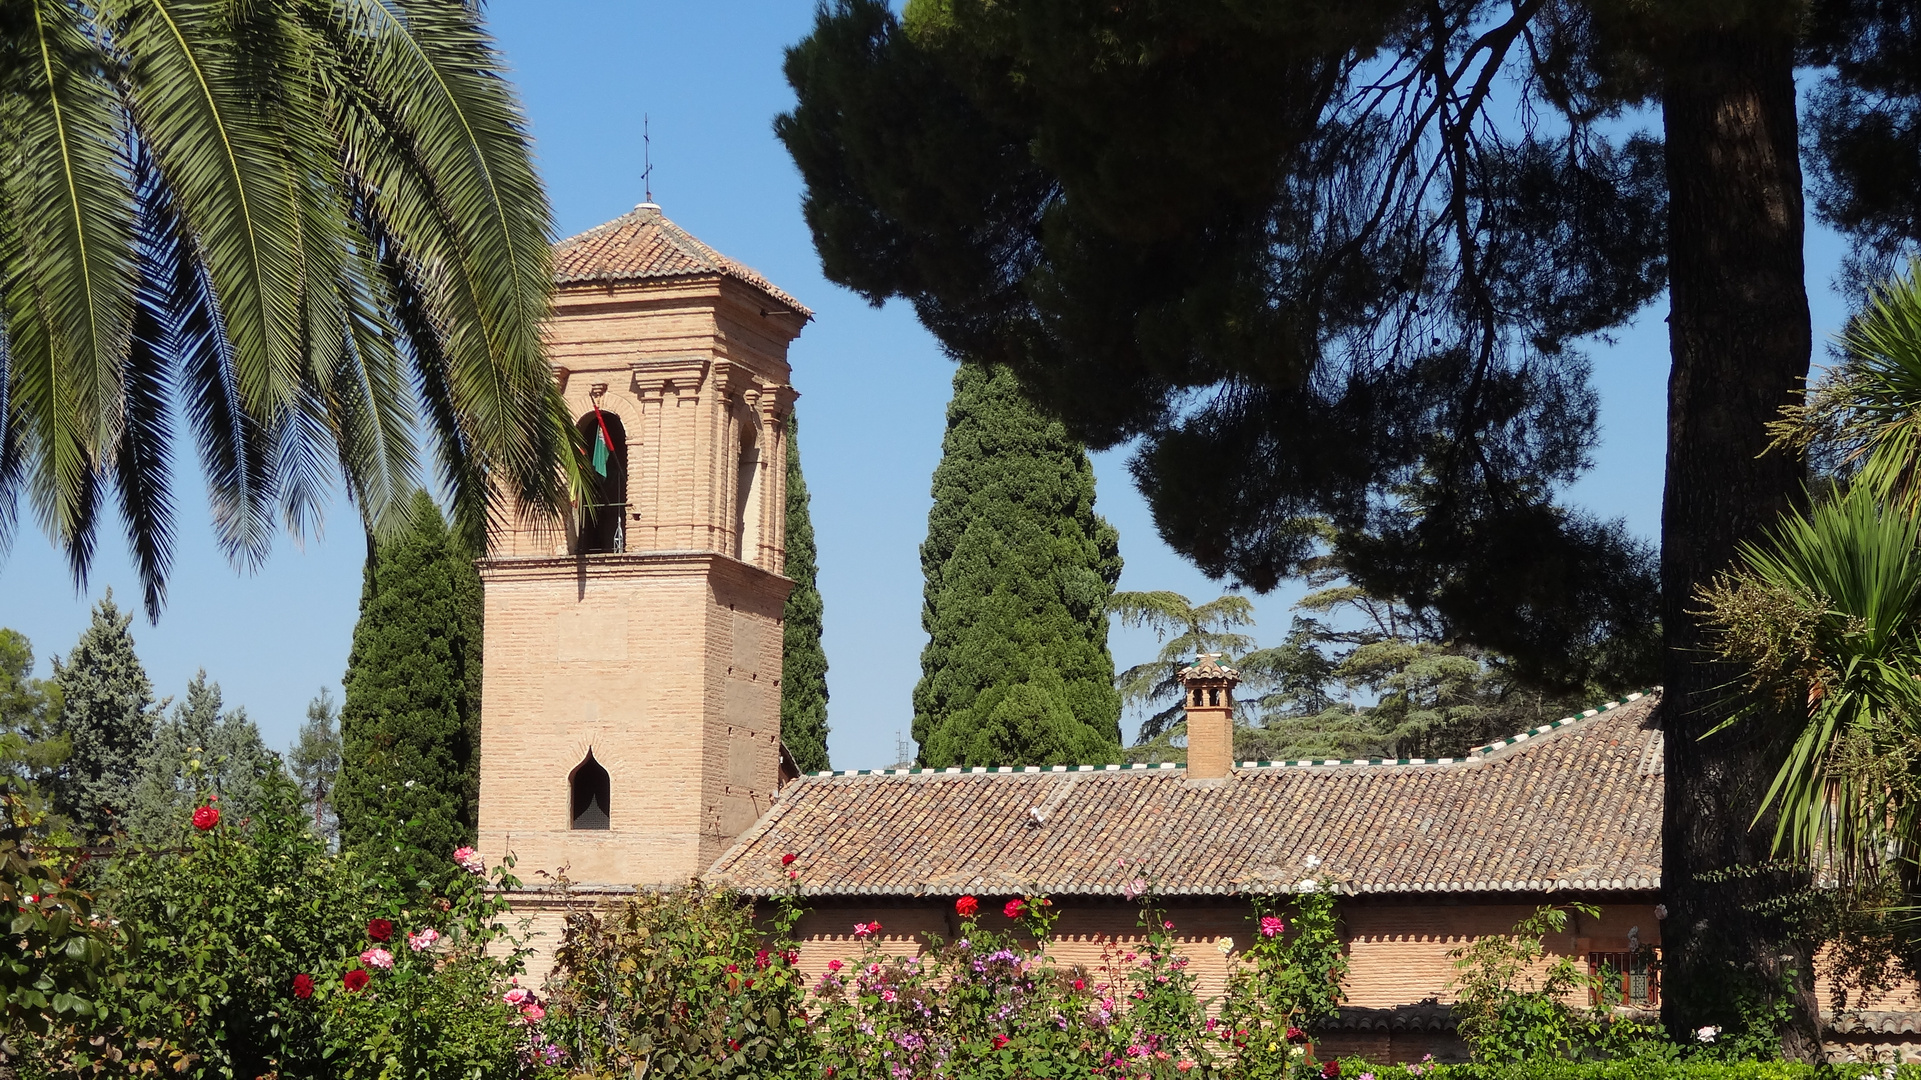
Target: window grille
(1630,976)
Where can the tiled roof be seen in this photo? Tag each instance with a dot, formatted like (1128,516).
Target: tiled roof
(1574,805)
(643,245)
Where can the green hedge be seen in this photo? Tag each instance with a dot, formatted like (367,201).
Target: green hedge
(1633,1069)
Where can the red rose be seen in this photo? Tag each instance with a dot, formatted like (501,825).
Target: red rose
(380,929)
(1331,1070)
(1294,1034)
(1080,984)
(788,859)
(966,906)
(205,817)
(356,980)
(1014,908)
(1000,1041)
(303,986)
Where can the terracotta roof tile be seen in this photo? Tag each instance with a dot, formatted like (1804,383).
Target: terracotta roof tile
(643,245)
(1573,805)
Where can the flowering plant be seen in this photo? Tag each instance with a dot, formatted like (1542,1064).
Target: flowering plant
(253,958)
(680,982)
(999,1006)
(1285,984)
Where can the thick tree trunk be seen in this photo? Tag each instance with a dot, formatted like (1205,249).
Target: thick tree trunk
(1740,339)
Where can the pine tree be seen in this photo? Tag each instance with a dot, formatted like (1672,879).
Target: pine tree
(107,714)
(803,687)
(315,763)
(199,750)
(1019,570)
(30,751)
(410,724)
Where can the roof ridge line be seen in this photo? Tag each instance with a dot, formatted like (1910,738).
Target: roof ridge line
(1476,754)
(1479,753)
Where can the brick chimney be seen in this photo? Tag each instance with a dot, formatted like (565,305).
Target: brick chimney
(1210,717)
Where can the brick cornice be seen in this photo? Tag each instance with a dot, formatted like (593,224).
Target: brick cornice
(638,564)
(684,373)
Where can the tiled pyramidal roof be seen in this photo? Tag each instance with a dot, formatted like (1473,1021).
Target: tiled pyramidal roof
(1573,805)
(644,246)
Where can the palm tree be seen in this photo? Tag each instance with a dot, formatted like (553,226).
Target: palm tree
(310,229)
(1864,420)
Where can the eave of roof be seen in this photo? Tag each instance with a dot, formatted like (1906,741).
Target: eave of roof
(643,245)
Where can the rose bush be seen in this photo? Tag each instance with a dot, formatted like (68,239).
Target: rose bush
(260,954)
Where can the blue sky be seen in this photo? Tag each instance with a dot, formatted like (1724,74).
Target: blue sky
(874,388)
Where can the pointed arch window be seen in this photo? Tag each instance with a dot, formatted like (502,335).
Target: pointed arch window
(590,787)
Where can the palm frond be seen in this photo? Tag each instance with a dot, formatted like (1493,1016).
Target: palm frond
(142,463)
(231,185)
(69,272)
(440,143)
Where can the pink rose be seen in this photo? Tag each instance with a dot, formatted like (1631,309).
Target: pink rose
(469,860)
(377,957)
(533,1012)
(515,996)
(1271,926)
(423,940)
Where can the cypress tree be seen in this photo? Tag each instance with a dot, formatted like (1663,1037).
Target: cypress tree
(107,715)
(803,687)
(1019,570)
(410,723)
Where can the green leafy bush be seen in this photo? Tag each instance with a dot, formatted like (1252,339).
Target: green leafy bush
(1511,1009)
(1630,1068)
(679,982)
(262,954)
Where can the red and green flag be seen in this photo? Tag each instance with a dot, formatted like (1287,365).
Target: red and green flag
(603,446)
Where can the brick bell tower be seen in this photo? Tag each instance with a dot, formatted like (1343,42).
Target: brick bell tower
(631,701)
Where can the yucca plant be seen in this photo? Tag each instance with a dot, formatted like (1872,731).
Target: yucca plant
(1828,608)
(308,229)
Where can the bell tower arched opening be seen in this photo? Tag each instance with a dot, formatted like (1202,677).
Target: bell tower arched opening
(590,789)
(747,494)
(604,512)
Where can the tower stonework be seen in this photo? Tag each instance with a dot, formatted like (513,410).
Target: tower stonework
(631,694)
